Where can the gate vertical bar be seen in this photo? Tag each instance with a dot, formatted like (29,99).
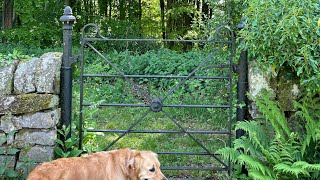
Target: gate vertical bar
(66,71)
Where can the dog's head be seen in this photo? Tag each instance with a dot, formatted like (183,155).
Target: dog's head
(144,165)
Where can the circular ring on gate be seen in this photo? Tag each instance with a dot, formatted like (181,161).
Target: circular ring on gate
(156,105)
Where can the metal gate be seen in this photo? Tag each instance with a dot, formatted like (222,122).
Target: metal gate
(159,106)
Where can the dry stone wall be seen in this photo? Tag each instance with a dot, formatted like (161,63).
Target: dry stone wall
(29,107)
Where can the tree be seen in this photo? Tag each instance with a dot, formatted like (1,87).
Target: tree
(7,17)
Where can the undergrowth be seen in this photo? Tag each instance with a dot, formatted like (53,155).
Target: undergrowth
(275,149)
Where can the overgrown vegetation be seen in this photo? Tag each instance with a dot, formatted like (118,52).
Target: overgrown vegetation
(6,59)
(67,147)
(277,148)
(283,35)
(8,153)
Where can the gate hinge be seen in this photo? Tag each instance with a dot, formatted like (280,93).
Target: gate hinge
(235,68)
(75,58)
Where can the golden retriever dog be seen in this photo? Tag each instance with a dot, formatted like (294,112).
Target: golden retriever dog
(123,164)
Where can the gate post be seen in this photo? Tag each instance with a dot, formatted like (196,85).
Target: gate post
(242,85)
(242,89)
(66,71)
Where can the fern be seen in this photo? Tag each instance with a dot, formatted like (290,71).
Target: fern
(309,111)
(273,114)
(271,150)
(258,175)
(229,153)
(307,166)
(245,144)
(255,164)
(290,169)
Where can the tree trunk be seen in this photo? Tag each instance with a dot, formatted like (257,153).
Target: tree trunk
(67,2)
(122,9)
(7,17)
(163,27)
(205,9)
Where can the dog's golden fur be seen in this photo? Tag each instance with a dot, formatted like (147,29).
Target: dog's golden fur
(123,164)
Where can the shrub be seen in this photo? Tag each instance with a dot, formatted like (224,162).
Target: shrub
(284,35)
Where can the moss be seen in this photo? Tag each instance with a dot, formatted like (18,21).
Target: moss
(27,103)
(284,87)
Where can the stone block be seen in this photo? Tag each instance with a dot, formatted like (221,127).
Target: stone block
(42,120)
(7,124)
(48,73)
(6,78)
(26,138)
(38,153)
(25,76)
(28,103)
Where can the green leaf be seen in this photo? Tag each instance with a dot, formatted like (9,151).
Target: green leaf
(11,174)
(69,143)
(11,133)
(2,150)
(7,159)
(59,142)
(12,151)
(59,151)
(2,170)
(75,153)
(3,139)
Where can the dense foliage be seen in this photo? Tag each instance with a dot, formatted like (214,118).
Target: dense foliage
(284,35)
(36,23)
(274,148)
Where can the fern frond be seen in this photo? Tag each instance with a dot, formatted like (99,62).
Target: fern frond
(256,133)
(246,145)
(228,152)
(254,164)
(309,111)
(290,169)
(258,175)
(307,166)
(272,113)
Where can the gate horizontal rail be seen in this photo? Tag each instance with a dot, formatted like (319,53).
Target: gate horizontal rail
(159,131)
(157,76)
(153,40)
(164,105)
(196,168)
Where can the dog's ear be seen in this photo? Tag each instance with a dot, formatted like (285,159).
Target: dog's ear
(133,161)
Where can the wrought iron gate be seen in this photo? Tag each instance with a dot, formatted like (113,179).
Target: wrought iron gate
(157,103)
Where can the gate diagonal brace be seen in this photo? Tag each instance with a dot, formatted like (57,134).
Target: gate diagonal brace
(193,138)
(134,85)
(193,72)
(129,129)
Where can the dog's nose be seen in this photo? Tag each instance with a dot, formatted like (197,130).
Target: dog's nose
(164,178)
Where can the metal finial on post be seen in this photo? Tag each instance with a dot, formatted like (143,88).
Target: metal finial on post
(67,15)
(66,72)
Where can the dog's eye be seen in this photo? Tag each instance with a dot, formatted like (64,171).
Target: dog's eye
(152,169)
